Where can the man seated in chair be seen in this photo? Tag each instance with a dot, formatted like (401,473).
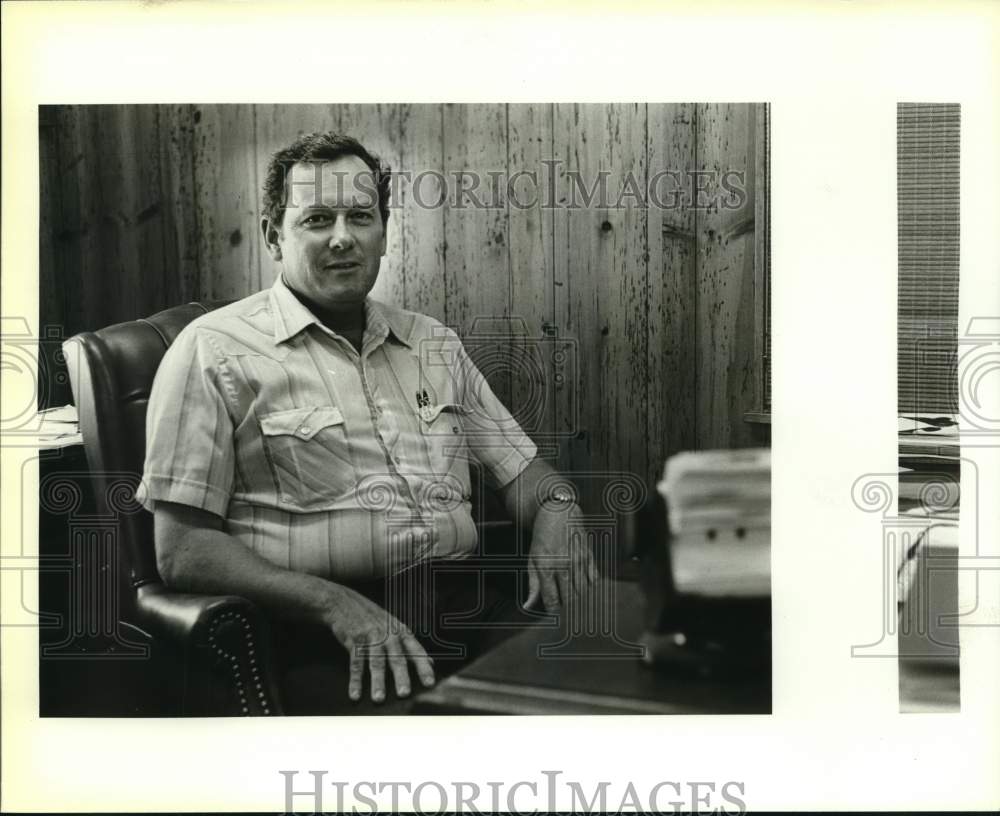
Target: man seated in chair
(308,448)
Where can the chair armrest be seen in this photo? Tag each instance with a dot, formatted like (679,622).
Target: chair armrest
(221,636)
(185,618)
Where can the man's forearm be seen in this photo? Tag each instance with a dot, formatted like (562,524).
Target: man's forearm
(195,554)
(213,562)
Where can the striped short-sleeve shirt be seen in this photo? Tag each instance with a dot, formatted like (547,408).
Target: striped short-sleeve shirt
(322,460)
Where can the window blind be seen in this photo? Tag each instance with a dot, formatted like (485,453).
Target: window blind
(927,185)
(767,259)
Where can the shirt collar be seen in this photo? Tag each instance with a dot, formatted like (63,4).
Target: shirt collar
(291,317)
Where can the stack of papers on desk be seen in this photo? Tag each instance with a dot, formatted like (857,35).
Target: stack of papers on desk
(719,504)
(59,427)
(712,488)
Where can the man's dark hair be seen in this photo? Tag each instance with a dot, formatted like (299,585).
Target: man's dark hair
(320,147)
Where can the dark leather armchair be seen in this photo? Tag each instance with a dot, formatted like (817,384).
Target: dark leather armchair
(215,648)
(217,644)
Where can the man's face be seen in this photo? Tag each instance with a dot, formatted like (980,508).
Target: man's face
(331,238)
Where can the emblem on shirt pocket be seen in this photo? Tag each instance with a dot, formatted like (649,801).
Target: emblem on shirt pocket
(444,433)
(449,413)
(309,456)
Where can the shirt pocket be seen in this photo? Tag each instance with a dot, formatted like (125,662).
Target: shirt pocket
(443,430)
(309,456)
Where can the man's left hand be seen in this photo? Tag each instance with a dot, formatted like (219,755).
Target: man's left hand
(561,571)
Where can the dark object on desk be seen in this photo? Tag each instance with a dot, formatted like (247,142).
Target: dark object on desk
(932,423)
(212,647)
(546,670)
(685,630)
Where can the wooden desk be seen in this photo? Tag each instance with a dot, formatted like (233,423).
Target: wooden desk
(542,671)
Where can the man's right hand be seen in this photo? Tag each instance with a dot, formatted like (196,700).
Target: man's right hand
(374,637)
(194,554)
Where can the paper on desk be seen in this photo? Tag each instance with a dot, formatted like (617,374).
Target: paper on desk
(719,506)
(59,427)
(721,487)
(66,440)
(64,413)
(724,567)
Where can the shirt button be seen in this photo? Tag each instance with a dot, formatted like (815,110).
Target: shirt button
(304,429)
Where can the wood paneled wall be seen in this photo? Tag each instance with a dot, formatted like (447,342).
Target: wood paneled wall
(646,313)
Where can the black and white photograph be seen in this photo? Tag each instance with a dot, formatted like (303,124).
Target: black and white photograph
(405,409)
(370,373)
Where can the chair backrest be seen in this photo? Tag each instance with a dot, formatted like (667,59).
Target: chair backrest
(111,372)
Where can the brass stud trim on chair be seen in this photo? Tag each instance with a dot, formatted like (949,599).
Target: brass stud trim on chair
(237,676)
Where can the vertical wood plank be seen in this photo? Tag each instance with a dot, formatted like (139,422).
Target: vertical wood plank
(762,258)
(121,203)
(757,252)
(532,306)
(50,308)
(672,286)
(477,268)
(226,196)
(149,256)
(377,128)
(108,294)
(277,126)
(52,227)
(100,270)
(423,241)
(600,253)
(725,277)
(72,225)
(178,183)
(52,389)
